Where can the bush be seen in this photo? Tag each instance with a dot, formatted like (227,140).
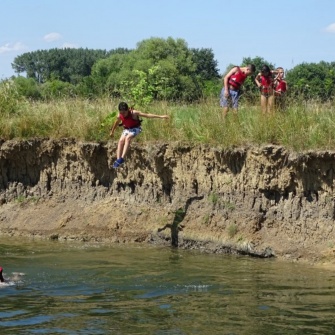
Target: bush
(57,89)
(27,87)
(9,98)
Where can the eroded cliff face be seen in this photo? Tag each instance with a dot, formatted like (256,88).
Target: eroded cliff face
(259,200)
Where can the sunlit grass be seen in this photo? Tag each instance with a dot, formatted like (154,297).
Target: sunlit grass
(301,126)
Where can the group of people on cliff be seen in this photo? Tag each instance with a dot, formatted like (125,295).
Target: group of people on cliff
(271,84)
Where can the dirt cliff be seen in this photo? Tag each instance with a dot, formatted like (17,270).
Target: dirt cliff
(263,201)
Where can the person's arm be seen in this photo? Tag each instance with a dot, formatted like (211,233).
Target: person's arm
(116,123)
(257,80)
(150,116)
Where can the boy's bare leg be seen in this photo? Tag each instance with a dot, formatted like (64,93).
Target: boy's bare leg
(120,147)
(264,104)
(126,146)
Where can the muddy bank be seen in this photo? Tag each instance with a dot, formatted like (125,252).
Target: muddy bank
(262,201)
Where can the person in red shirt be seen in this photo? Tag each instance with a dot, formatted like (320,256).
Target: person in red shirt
(232,83)
(264,80)
(280,87)
(129,118)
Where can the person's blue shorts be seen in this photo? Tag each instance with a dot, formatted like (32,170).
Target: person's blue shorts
(232,99)
(132,131)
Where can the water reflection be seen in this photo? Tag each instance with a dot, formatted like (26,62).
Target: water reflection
(75,288)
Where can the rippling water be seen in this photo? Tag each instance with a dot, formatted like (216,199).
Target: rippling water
(75,288)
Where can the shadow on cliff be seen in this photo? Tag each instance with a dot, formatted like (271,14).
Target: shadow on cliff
(179,217)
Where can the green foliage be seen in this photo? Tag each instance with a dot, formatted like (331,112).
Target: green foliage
(206,65)
(312,81)
(157,69)
(213,198)
(229,205)
(27,87)
(87,88)
(302,126)
(56,89)
(24,200)
(68,65)
(212,88)
(106,74)
(232,230)
(143,89)
(109,120)
(10,99)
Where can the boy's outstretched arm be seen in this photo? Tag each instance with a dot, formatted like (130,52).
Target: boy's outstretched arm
(151,116)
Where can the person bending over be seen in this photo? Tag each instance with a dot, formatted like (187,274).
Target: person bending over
(232,83)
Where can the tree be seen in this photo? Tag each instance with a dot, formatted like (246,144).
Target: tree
(159,69)
(312,81)
(206,65)
(68,65)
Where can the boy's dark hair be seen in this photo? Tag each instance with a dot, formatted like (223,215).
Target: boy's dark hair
(252,67)
(123,107)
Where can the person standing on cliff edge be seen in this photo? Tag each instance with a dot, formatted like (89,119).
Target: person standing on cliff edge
(232,83)
(129,118)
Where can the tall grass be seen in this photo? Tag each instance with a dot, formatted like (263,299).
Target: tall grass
(302,126)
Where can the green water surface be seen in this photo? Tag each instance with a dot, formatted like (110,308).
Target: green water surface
(81,288)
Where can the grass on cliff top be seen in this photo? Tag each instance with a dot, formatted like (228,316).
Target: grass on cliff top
(302,126)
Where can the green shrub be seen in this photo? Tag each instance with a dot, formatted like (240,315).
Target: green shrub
(9,98)
(27,88)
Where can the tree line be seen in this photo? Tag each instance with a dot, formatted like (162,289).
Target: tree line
(157,69)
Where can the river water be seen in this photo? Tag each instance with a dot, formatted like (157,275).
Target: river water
(82,288)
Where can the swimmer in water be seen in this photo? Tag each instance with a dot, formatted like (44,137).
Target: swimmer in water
(15,278)
(2,279)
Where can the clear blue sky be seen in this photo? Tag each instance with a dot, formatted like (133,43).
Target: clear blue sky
(283,32)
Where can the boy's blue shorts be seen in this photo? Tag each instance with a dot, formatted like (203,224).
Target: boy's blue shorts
(232,99)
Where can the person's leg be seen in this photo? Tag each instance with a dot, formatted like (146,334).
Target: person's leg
(119,151)
(235,96)
(224,103)
(126,145)
(263,103)
(120,146)
(270,104)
